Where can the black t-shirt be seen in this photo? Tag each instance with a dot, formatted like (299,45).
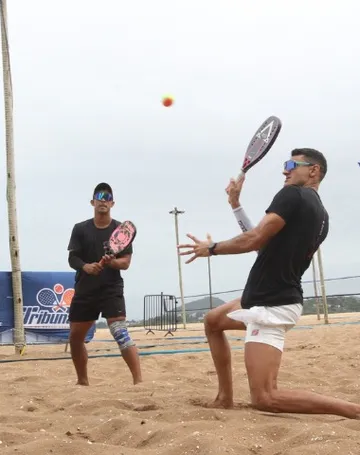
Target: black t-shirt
(275,278)
(87,243)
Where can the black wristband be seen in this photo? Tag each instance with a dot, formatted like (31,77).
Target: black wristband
(212,249)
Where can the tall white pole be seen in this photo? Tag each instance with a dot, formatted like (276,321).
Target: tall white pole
(210,285)
(315,289)
(19,334)
(177,212)
(322,284)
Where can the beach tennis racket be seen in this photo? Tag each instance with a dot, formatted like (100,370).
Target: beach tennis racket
(261,143)
(120,239)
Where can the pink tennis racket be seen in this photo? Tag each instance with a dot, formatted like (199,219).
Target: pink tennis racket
(120,239)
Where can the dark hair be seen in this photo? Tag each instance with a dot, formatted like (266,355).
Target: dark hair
(313,156)
(103,187)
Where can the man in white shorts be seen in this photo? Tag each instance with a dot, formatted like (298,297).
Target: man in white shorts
(295,225)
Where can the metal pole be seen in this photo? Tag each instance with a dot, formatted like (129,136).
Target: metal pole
(177,212)
(315,289)
(322,283)
(19,334)
(210,287)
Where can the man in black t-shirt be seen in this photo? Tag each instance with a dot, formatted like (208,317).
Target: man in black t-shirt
(295,225)
(99,288)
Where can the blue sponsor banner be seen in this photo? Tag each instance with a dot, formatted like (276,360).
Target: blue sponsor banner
(47,297)
(6,303)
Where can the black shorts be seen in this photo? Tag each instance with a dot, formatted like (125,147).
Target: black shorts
(89,308)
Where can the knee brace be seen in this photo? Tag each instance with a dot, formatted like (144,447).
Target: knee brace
(121,335)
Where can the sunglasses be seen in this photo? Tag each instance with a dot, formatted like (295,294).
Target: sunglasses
(103,196)
(292,164)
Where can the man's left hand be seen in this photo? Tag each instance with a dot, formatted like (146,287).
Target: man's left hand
(198,249)
(233,191)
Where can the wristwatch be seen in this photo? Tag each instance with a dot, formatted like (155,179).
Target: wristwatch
(212,247)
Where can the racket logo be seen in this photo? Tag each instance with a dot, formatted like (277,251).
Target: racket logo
(265,133)
(57,299)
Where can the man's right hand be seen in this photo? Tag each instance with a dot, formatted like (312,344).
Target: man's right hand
(233,191)
(93,269)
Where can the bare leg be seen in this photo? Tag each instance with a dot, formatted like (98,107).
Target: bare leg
(78,331)
(216,321)
(131,356)
(262,364)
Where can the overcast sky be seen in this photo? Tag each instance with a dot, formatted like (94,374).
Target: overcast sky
(88,78)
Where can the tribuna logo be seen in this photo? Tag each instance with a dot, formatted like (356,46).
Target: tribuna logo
(52,308)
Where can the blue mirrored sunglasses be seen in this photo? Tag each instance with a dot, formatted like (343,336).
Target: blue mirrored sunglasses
(103,196)
(292,164)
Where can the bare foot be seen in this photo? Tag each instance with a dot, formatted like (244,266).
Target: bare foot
(217,403)
(82,382)
(223,403)
(137,381)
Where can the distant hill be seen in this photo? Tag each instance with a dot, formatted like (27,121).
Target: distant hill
(202,304)
(196,310)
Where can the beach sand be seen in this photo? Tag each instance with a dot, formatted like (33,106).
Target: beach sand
(42,411)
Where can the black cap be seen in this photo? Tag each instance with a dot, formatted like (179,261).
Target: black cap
(103,187)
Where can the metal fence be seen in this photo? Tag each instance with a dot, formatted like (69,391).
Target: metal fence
(160,313)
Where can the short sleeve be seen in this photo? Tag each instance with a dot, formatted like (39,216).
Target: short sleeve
(128,250)
(286,202)
(75,239)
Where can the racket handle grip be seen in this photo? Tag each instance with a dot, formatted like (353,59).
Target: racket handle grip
(242,173)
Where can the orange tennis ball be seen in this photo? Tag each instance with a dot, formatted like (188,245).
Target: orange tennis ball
(167,101)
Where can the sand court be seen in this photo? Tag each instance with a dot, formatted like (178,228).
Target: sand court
(43,412)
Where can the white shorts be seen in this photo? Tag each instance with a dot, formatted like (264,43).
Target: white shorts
(265,324)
